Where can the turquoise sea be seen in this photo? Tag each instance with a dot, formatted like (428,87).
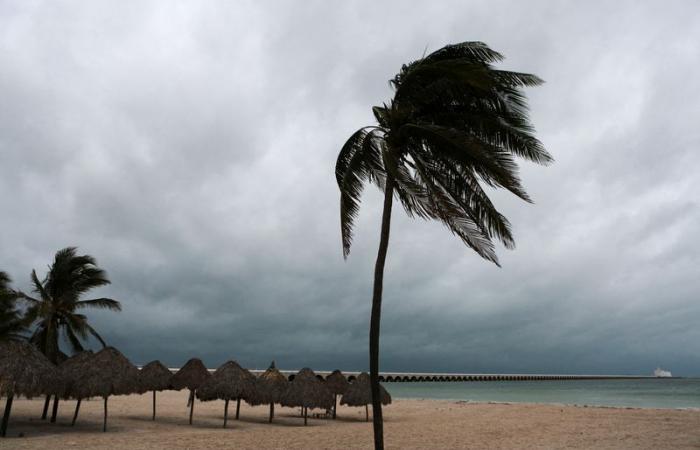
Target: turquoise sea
(640,393)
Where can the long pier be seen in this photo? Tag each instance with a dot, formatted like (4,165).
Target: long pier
(408,377)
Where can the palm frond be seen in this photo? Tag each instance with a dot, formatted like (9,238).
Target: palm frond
(494,165)
(360,162)
(96,335)
(76,345)
(39,287)
(102,303)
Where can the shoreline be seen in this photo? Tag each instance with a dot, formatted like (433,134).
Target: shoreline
(569,405)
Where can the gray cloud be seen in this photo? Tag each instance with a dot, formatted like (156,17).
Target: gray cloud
(190,148)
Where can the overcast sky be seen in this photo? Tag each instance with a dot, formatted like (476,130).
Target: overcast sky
(190,147)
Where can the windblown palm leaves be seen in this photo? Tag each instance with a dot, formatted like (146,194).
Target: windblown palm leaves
(270,386)
(307,391)
(23,371)
(359,393)
(229,381)
(192,375)
(154,376)
(12,324)
(456,125)
(338,384)
(107,373)
(56,309)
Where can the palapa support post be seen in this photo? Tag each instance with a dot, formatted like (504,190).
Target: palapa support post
(225,412)
(54,411)
(6,416)
(238,407)
(272,412)
(77,408)
(191,404)
(366,413)
(104,424)
(335,404)
(154,404)
(306,412)
(46,407)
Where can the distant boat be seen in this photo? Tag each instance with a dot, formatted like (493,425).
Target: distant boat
(661,373)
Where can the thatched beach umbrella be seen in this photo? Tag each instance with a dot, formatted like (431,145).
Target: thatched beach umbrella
(338,384)
(106,373)
(154,376)
(359,393)
(307,391)
(270,386)
(72,372)
(190,376)
(229,381)
(23,371)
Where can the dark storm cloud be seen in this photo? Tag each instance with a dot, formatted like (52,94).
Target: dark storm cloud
(190,148)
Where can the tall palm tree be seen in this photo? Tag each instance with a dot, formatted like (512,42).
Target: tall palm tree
(455,123)
(55,310)
(12,324)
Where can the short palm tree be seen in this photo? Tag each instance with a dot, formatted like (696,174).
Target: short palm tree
(12,324)
(55,310)
(455,123)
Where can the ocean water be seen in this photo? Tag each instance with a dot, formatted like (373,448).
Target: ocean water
(641,393)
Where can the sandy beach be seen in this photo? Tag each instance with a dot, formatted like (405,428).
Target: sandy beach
(408,424)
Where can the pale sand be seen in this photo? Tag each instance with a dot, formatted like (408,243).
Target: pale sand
(408,424)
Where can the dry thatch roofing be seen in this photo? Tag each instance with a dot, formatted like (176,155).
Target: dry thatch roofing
(154,376)
(71,372)
(337,382)
(106,373)
(25,371)
(308,391)
(191,375)
(228,381)
(270,386)
(359,393)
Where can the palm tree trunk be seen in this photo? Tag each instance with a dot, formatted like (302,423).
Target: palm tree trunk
(154,404)
(191,404)
(75,416)
(377,313)
(238,407)
(54,412)
(6,416)
(46,407)
(272,411)
(104,424)
(225,412)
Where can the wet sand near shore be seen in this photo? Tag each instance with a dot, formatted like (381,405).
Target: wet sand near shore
(408,424)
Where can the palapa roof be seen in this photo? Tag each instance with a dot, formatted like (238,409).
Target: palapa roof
(308,391)
(25,371)
(337,382)
(106,373)
(359,392)
(154,376)
(62,357)
(270,386)
(229,381)
(71,372)
(191,375)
